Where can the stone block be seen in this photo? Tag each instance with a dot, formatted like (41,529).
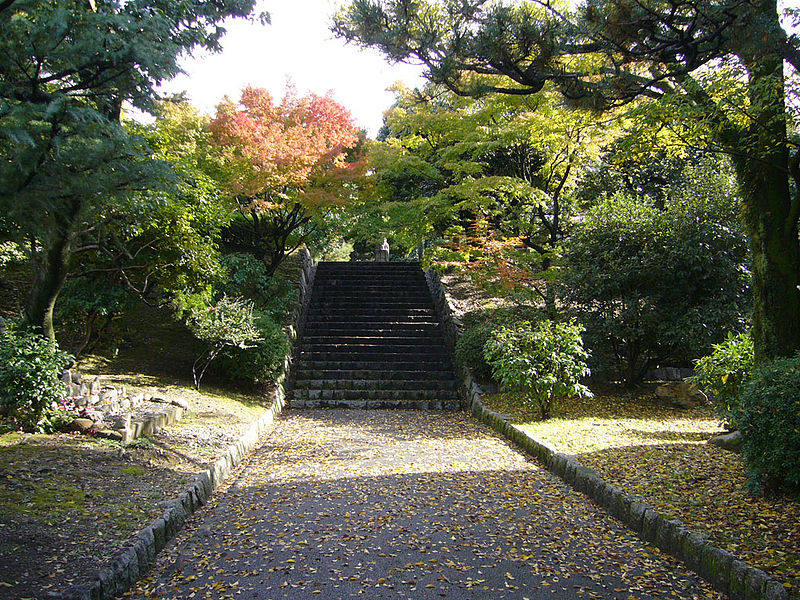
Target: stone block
(773,590)
(737,585)
(692,548)
(716,566)
(650,525)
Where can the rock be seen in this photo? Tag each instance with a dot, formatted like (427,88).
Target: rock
(181,402)
(75,389)
(81,425)
(137,399)
(108,393)
(94,387)
(159,400)
(76,376)
(681,394)
(119,421)
(94,399)
(84,391)
(124,404)
(110,434)
(731,441)
(81,402)
(66,377)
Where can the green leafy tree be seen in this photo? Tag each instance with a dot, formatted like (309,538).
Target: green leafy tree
(716,72)
(652,285)
(545,361)
(68,168)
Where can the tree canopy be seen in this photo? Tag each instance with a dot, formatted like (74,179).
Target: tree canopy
(719,74)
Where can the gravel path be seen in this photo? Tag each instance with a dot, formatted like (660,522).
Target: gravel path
(405,504)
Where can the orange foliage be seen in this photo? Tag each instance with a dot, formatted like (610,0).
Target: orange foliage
(491,257)
(301,144)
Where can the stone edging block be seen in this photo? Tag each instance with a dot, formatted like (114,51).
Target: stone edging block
(134,559)
(719,567)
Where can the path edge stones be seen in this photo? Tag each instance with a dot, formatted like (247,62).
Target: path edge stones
(136,556)
(724,571)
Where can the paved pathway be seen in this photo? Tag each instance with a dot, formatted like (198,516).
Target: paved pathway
(405,504)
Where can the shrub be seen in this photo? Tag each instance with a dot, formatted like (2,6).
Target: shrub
(768,415)
(228,323)
(545,362)
(30,366)
(655,284)
(477,328)
(721,373)
(260,363)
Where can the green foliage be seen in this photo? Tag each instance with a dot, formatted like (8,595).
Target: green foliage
(651,285)
(721,373)
(86,308)
(768,415)
(229,322)
(260,363)
(477,327)
(30,366)
(545,362)
(73,180)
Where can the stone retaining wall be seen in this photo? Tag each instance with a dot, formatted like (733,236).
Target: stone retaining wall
(719,567)
(133,560)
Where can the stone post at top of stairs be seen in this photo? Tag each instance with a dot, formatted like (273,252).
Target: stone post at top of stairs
(382,251)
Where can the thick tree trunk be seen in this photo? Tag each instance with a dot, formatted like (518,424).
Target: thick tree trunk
(773,237)
(770,215)
(50,271)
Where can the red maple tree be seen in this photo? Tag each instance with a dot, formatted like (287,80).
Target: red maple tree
(285,162)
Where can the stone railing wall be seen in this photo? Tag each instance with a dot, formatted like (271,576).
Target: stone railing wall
(134,559)
(723,570)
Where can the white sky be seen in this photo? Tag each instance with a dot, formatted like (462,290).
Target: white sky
(298,45)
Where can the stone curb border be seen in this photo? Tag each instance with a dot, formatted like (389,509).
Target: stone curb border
(724,571)
(134,559)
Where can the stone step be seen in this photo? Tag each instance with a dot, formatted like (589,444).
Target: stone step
(364,266)
(372,285)
(316,310)
(372,384)
(368,306)
(327,394)
(316,338)
(358,295)
(375,374)
(406,363)
(417,340)
(375,403)
(372,329)
(374,354)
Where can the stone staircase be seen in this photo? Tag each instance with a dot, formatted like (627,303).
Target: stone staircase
(372,340)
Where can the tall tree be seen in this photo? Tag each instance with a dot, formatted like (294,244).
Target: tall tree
(66,69)
(723,68)
(284,163)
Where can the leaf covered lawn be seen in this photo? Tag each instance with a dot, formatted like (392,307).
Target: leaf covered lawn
(660,454)
(68,501)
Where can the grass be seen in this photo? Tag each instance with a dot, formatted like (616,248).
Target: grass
(660,454)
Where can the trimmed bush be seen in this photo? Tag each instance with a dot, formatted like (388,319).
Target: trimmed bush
(261,363)
(721,373)
(652,285)
(30,366)
(477,328)
(545,362)
(768,415)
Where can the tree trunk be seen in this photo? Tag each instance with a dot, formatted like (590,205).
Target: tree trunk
(770,215)
(50,271)
(773,238)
